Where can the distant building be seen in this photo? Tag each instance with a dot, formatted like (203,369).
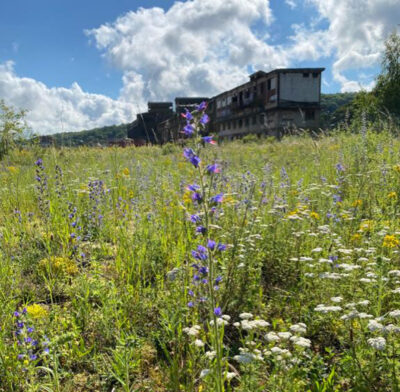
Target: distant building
(270,103)
(161,124)
(144,129)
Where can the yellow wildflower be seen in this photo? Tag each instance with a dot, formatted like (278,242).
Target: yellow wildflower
(59,266)
(13,169)
(390,241)
(186,197)
(366,225)
(356,237)
(396,168)
(392,195)
(357,203)
(37,311)
(314,215)
(125,172)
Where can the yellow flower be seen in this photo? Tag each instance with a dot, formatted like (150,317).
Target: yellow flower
(366,225)
(396,168)
(357,203)
(37,311)
(186,197)
(390,241)
(13,169)
(392,195)
(125,172)
(356,237)
(59,266)
(314,215)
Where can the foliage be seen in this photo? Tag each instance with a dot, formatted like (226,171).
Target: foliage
(12,127)
(387,87)
(93,137)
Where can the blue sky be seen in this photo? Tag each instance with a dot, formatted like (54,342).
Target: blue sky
(96,63)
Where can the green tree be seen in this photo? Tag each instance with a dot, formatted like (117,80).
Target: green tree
(387,88)
(12,126)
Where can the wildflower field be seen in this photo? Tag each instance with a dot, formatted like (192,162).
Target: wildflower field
(262,266)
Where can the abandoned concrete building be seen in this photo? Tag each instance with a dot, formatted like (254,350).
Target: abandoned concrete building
(270,103)
(161,124)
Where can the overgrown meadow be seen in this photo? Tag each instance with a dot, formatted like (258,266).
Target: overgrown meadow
(261,266)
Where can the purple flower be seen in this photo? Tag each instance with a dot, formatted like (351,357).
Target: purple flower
(16,314)
(193,188)
(203,270)
(190,304)
(191,293)
(195,160)
(39,162)
(201,230)
(30,330)
(204,281)
(33,357)
(187,115)
(218,198)
(218,279)
(194,218)
(221,247)
(204,119)
(209,139)
(340,167)
(211,244)
(197,197)
(202,106)
(188,129)
(218,311)
(214,168)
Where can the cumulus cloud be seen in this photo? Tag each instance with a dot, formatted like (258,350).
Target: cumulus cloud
(52,110)
(355,35)
(197,47)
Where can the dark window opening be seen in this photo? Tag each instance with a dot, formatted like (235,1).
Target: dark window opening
(310,115)
(246,121)
(262,88)
(315,75)
(306,75)
(240,123)
(254,120)
(269,84)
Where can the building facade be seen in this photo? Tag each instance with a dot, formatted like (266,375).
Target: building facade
(269,103)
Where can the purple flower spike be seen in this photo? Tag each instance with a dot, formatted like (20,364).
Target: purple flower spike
(195,160)
(218,311)
(39,162)
(197,197)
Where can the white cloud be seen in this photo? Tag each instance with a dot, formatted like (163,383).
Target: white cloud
(197,47)
(52,110)
(355,35)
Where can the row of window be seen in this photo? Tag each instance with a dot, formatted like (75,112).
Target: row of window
(247,94)
(247,121)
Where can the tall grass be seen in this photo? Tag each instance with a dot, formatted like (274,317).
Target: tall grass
(95,258)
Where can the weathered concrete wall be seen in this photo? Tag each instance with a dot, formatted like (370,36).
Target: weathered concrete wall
(297,88)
